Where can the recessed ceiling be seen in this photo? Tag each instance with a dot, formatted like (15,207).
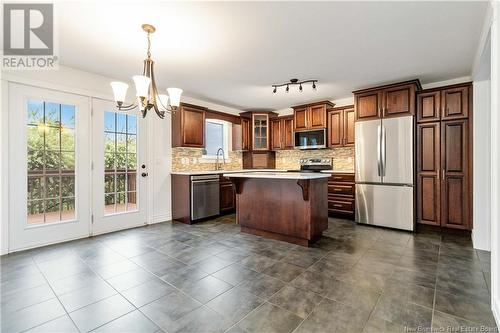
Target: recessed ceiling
(231,52)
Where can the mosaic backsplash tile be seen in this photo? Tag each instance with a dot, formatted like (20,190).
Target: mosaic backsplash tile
(190,159)
(343,158)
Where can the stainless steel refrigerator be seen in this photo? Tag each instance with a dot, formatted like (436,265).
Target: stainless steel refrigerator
(384,172)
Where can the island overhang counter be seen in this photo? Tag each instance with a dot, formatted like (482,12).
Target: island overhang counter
(288,206)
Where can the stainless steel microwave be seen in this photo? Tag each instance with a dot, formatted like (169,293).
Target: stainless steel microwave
(312,139)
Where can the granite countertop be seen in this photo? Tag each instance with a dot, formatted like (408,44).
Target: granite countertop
(278,175)
(218,172)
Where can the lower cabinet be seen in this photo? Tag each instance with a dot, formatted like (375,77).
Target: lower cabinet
(341,194)
(227,196)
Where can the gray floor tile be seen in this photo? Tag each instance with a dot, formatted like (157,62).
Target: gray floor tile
(82,297)
(184,276)
(147,292)
(32,316)
(17,300)
(377,325)
(206,289)
(62,324)
(133,322)
(402,312)
(235,304)
(410,292)
(257,263)
(212,264)
(464,307)
(202,319)
(235,274)
(75,282)
(331,316)
(314,282)
(166,310)
(270,318)
(295,300)
(100,313)
(109,271)
(284,271)
(353,295)
(130,279)
(263,286)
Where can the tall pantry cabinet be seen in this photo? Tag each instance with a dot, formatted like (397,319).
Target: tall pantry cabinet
(444,156)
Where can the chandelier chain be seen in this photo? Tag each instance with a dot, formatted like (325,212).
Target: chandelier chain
(149,46)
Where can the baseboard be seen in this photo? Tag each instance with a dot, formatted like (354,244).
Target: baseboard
(496,310)
(161,218)
(477,244)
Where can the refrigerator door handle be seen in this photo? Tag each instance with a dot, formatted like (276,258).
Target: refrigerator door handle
(383,148)
(379,161)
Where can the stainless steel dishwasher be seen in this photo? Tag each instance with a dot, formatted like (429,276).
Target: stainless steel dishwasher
(204,196)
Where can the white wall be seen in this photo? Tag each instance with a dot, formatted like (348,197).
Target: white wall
(481,232)
(92,85)
(495,162)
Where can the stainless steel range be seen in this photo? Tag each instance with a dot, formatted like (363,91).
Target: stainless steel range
(314,164)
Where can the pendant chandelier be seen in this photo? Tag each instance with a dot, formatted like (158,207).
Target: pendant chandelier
(145,86)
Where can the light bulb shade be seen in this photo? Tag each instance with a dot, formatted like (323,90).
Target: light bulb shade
(163,102)
(119,90)
(141,85)
(175,96)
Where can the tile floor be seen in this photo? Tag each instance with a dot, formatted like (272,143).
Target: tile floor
(209,277)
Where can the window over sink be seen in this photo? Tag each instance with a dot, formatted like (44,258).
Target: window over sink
(217,135)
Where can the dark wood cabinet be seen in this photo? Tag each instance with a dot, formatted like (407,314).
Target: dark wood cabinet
(259,160)
(444,103)
(455,178)
(455,102)
(227,195)
(241,135)
(287,135)
(311,116)
(282,133)
(300,118)
(188,126)
(341,127)
(387,101)
(444,157)
(429,173)
(341,194)
(368,105)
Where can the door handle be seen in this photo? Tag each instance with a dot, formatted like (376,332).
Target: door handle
(379,135)
(144,174)
(383,158)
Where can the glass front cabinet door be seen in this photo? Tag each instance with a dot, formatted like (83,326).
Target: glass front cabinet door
(260,124)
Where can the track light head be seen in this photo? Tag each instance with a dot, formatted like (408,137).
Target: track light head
(287,88)
(300,87)
(274,90)
(314,85)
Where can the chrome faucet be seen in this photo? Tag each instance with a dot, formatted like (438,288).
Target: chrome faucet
(217,163)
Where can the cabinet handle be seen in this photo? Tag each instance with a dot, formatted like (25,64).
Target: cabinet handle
(443,174)
(337,205)
(337,189)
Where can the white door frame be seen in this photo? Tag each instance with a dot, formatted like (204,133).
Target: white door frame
(102,223)
(22,236)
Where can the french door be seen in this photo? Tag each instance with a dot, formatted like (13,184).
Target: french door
(119,149)
(49,166)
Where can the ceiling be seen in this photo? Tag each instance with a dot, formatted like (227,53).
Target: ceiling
(231,52)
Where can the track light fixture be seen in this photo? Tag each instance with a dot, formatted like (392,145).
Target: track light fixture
(294,82)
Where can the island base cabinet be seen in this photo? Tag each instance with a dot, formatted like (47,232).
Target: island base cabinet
(290,210)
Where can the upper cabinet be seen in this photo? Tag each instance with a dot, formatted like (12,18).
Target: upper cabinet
(256,130)
(282,133)
(387,101)
(341,126)
(445,103)
(311,116)
(188,126)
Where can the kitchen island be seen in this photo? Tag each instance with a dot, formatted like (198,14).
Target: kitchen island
(287,206)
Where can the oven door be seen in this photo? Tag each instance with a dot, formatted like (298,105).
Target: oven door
(314,139)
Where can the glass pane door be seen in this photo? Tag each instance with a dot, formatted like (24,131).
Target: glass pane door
(120,190)
(49,166)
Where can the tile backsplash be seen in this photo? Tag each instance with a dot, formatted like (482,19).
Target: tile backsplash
(190,159)
(343,158)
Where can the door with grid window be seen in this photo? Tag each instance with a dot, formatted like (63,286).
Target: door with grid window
(119,168)
(49,173)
